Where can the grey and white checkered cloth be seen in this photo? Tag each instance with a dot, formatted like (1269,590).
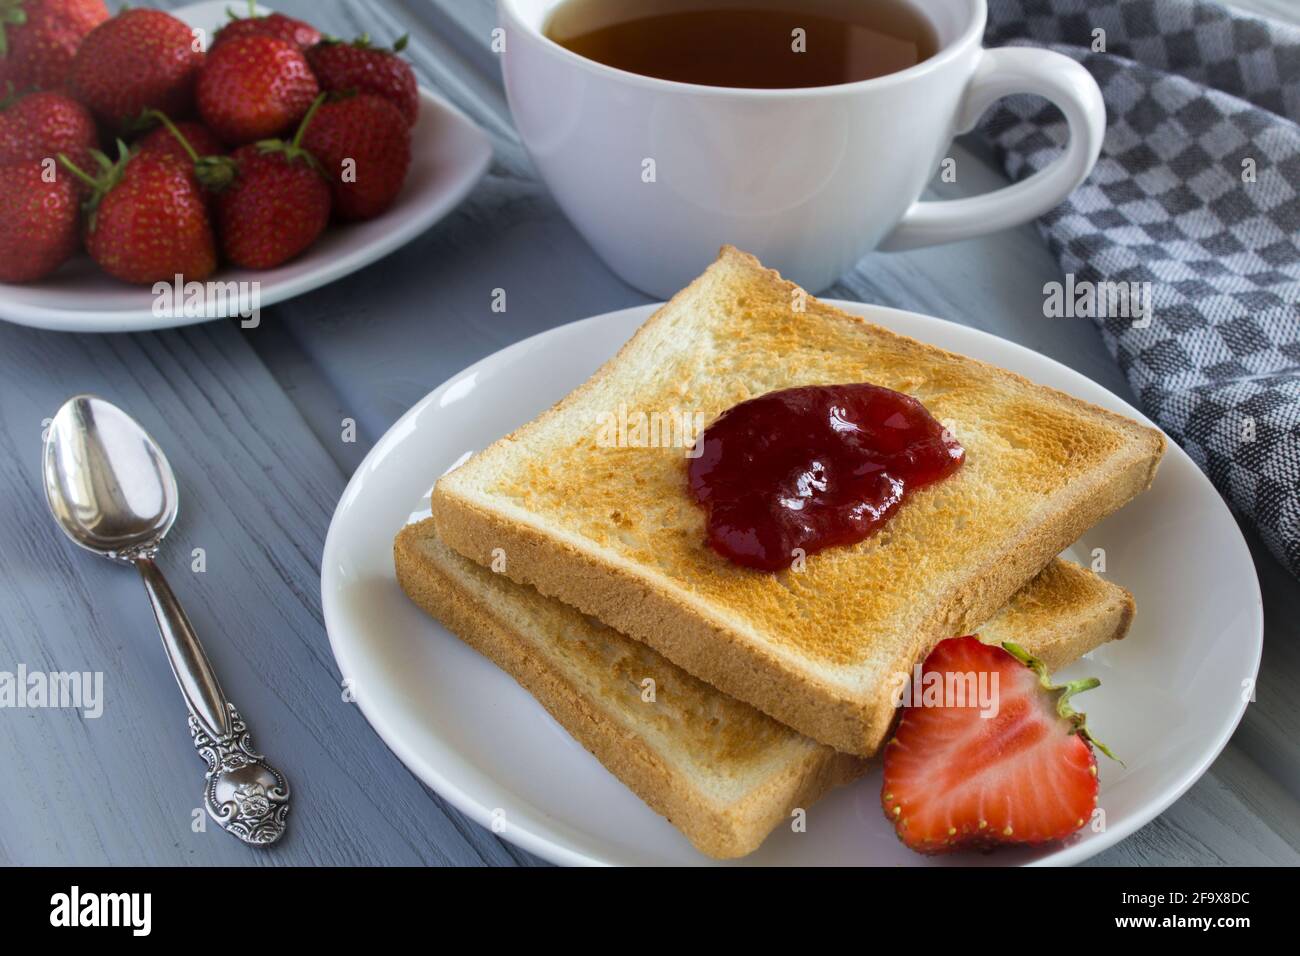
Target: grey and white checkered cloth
(1197,192)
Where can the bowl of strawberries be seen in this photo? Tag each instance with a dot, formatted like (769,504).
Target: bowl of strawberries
(159,169)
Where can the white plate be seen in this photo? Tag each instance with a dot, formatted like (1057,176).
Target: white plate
(448,155)
(1171,693)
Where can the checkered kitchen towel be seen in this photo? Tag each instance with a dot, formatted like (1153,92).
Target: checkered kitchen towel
(1198,193)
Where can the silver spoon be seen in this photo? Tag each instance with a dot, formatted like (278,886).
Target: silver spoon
(112,492)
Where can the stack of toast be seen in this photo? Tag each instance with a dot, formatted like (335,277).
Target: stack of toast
(725,697)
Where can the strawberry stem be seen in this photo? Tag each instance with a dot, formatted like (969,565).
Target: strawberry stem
(110,175)
(1063,694)
(252,12)
(302,127)
(215,172)
(12,14)
(161,117)
(294,150)
(212,172)
(78,172)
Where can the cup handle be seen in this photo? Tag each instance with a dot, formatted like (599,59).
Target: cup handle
(1003,72)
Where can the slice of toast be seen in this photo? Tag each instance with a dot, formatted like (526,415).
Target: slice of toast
(602,518)
(724,773)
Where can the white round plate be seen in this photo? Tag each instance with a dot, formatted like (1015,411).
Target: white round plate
(1171,693)
(448,155)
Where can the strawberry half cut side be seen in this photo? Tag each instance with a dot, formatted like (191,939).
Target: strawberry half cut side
(989,752)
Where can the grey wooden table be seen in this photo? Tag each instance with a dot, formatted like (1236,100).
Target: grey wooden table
(252,422)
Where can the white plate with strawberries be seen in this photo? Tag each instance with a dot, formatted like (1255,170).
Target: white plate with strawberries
(448,155)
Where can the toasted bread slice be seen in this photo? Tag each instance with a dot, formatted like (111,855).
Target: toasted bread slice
(608,525)
(724,773)
(1062,614)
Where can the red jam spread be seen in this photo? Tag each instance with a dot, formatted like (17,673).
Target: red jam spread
(814,467)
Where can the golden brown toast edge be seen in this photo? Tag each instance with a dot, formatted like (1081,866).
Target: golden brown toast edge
(1062,614)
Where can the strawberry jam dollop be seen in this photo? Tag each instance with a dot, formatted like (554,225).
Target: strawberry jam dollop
(812,467)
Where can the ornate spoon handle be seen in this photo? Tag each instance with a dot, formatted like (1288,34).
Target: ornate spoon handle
(243,793)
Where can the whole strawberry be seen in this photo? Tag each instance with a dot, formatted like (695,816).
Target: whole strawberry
(148,219)
(255,87)
(38,39)
(139,59)
(364,146)
(359,67)
(38,221)
(42,125)
(1006,760)
(277,206)
(164,141)
(300,34)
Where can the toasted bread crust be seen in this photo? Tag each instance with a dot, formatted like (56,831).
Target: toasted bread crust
(1064,613)
(636,598)
(721,832)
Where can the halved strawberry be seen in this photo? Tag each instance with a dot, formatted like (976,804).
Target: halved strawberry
(961,774)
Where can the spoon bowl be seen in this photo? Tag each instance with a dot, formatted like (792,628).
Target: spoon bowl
(108,484)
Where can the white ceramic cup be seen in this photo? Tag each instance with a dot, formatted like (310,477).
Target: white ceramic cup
(809,180)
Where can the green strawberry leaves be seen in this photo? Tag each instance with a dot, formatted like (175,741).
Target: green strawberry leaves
(212,172)
(293,150)
(110,174)
(1063,694)
(12,14)
(363,42)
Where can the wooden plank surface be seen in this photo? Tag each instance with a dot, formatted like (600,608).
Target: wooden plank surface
(257,491)
(251,421)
